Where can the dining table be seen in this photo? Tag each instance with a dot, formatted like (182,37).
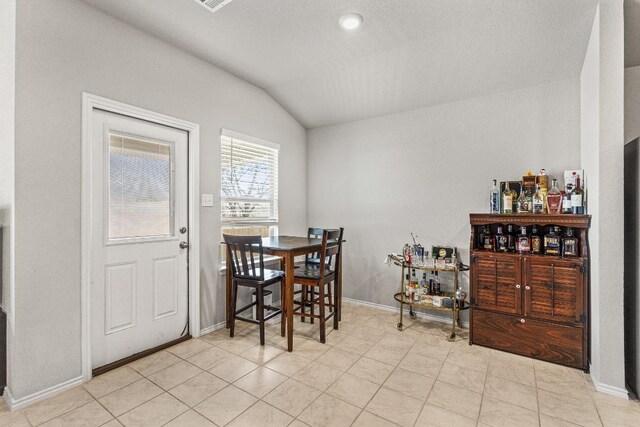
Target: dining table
(287,248)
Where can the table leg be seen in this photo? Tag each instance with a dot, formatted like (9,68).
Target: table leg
(283,300)
(339,291)
(228,292)
(289,281)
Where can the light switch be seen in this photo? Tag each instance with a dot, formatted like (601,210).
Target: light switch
(207,200)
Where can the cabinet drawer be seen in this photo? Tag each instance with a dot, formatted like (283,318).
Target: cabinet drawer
(533,338)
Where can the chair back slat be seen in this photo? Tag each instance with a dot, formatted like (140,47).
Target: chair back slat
(331,246)
(242,252)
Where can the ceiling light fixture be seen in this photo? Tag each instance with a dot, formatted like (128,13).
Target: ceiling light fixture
(351,21)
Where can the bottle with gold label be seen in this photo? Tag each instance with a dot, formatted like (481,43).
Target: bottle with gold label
(508,199)
(500,241)
(542,179)
(536,241)
(552,241)
(538,201)
(569,243)
(522,205)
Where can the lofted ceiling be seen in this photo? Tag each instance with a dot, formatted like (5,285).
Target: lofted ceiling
(408,54)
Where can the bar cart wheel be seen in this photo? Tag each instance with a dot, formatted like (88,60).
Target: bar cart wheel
(400,326)
(412,314)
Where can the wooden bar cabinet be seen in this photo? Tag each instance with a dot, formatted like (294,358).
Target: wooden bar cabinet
(529,304)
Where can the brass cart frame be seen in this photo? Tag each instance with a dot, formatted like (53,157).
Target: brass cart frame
(455,309)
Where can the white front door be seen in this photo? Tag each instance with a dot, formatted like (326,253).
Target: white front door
(139,204)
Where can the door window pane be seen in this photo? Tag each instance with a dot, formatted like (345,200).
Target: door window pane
(140,188)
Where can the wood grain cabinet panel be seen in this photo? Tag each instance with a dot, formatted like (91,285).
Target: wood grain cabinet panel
(533,305)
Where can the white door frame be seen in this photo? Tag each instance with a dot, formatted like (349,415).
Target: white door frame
(89,102)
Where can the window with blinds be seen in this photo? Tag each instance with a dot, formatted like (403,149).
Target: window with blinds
(249,180)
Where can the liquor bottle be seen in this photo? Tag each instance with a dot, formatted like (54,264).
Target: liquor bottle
(432,284)
(487,239)
(542,179)
(406,285)
(536,241)
(524,241)
(423,281)
(538,201)
(522,205)
(569,243)
(577,199)
(511,239)
(554,199)
(552,242)
(494,199)
(566,199)
(414,279)
(500,241)
(436,285)
(508,199)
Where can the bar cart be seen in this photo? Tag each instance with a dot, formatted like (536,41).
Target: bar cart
(457,305)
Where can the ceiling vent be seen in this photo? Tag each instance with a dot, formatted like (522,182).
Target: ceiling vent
(215,5)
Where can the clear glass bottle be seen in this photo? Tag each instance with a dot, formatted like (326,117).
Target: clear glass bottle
(511,239)
(508,199)
(522,205)
(406,286)
(432,284)
(569,243)
(494,199)
(500,241)
(566,199)
(577,199)
(423,281)
(538,201)
(436,285)
(523,244)
(536,241)
(552,242)
(554,199)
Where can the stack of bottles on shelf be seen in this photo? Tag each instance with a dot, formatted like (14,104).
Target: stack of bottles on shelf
(536,196)
(554,242)
(426,291)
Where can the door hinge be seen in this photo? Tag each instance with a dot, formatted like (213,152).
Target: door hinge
(583,319)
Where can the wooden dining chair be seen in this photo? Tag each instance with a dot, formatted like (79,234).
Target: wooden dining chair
(317,279)
(247,265)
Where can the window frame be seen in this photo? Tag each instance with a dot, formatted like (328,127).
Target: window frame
(273,222)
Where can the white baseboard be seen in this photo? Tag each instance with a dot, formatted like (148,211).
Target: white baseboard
(608,389)
(209,329)
(14,404)
(420,314)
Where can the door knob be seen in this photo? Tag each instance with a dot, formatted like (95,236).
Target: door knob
(184,245)
(522,320)
(528,288)
(517,286)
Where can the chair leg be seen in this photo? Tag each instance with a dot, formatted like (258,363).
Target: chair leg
(234,304)
(329,297)
(336,305)
(323,320)
(260,299)
(303,301)
(311,291)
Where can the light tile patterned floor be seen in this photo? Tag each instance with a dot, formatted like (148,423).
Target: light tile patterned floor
(367,374)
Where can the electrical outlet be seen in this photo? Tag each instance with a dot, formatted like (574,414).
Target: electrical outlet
(207,200)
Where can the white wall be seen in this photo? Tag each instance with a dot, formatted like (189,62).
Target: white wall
(424,171)
(63,49)
(7,149)
(602,158)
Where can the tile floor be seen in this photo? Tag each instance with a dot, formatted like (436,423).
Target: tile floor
(367,374)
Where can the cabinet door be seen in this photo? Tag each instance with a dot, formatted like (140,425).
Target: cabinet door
(554,289)
(496,282)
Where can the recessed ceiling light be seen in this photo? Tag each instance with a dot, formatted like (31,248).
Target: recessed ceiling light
(351,21)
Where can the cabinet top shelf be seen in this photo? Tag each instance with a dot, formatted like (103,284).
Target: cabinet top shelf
(566,220)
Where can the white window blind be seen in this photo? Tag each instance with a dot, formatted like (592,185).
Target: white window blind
(249,180)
